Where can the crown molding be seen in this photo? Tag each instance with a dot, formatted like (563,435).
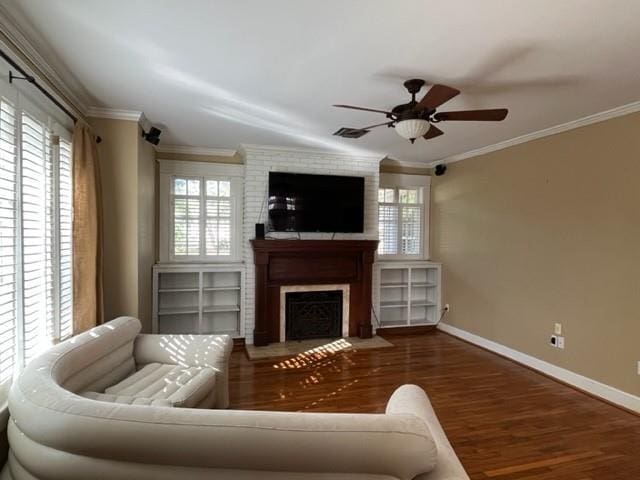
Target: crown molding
(563,127)
(408,164)
(69,91)
(116,114)
(187,150)
(249,147)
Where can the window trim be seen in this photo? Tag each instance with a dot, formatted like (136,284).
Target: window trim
(398,181)
(168,170)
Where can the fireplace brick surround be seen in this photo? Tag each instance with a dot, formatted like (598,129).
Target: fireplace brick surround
(311,262)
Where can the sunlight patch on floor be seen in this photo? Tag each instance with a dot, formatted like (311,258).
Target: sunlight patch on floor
(314,355)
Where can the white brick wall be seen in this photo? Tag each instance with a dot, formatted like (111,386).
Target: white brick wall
(260,160)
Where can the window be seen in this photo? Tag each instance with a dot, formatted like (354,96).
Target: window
(201,215)
(402,216)
(35,232)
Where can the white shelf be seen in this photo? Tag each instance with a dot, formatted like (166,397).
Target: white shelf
(392,304)
(178,290)
(419,321)
(221,308)
(198,298)
(396,323)
(409,293)
(220,289)
(179,311)
(423,303)
(393,285)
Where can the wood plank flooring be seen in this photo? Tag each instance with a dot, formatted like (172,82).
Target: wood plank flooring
(505,421)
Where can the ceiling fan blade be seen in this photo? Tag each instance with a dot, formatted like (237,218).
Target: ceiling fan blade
(436,96)
(433,132)
(494,115)
(362,108)
(377,125)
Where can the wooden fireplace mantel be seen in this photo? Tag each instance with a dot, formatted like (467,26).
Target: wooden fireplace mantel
(312,262)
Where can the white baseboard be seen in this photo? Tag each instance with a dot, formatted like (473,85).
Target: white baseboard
(601,390)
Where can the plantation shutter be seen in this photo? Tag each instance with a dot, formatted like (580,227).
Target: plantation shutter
(8,239)
(186,217)
(218,221)
(37,269)
(411,229)
(65,242)
(388,229)
(35,231)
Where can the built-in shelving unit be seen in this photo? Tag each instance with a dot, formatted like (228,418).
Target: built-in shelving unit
(198,299)
(409,293)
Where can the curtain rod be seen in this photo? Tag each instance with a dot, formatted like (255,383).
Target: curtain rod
(32,80)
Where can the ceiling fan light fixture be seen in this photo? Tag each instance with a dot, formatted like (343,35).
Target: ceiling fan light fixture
(414,119)
(412,128)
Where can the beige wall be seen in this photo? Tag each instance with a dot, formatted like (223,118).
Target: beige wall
(147,228)
(545,232)
(129,187)
(118,167)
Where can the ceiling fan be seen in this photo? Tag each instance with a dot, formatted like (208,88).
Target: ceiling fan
(416,119)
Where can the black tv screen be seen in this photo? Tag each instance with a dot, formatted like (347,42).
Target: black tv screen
(315,203)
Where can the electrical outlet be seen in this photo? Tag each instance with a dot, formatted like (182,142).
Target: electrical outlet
(446,307)
(638,367)
(560,342)
(554,341)
(557,329)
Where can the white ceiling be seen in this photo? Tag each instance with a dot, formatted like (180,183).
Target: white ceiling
(221,73)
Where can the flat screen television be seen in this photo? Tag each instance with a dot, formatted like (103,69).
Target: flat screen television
(315,203)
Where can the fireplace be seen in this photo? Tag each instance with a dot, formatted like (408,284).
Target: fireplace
(283,266)
(313,315)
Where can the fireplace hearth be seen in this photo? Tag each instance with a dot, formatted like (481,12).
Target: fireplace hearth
(313,315)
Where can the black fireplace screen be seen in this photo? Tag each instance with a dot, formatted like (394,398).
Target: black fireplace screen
(313,315)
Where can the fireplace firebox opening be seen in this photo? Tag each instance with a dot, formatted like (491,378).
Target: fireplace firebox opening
(316,314)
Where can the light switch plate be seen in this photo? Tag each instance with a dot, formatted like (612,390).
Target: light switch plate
(557,329)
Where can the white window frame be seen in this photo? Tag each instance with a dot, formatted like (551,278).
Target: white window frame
(399,181)
(170,169)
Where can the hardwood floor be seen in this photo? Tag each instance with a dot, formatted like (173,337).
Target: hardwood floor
(504,421)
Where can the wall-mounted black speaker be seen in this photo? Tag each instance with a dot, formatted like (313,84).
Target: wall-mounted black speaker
(440,169)
(152,136)
(259,231)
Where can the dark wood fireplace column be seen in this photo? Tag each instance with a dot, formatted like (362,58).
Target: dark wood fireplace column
(312,262)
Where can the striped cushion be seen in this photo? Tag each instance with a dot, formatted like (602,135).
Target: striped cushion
(105,397)
(182,386)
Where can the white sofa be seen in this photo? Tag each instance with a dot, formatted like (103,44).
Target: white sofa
(54,433)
